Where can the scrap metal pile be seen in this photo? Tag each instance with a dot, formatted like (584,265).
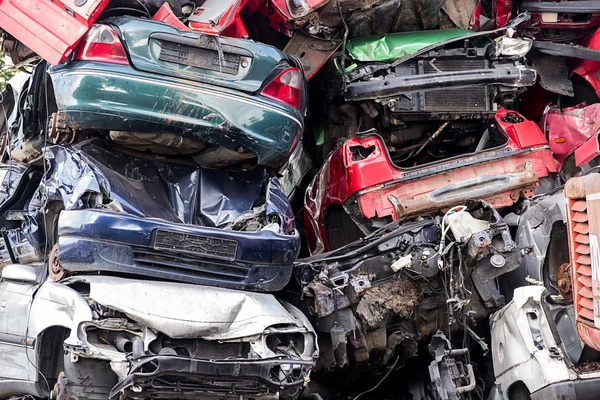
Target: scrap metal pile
(300,199)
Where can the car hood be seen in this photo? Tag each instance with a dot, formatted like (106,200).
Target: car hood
(191,311)
(387,48)
(154,189)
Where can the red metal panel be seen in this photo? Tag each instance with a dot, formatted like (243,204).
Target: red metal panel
(587,151)
(371,180)
(583,221)
(589,69)
(228,23)
(51,29)
(165,14)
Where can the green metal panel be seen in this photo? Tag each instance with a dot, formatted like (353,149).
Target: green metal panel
(387,48)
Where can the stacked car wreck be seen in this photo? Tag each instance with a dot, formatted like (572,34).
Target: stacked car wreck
(183,218)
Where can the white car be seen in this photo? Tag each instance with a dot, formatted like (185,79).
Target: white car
(95,337)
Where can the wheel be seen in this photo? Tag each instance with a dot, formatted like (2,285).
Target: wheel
(55,270)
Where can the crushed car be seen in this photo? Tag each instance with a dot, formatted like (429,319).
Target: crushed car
(374,302)
(504,160)
(241,103)
(177,222)
(95,337)
(538,354)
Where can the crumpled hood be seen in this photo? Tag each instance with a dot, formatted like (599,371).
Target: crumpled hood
(190,311)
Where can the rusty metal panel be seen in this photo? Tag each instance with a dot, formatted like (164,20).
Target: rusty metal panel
(593,211)
(583,221)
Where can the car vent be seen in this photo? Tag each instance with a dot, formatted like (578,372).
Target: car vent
(583,218)
(582,262)
(188,268)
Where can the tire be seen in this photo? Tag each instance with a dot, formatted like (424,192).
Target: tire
(87,379)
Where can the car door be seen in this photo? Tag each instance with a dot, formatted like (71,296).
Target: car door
(15,301)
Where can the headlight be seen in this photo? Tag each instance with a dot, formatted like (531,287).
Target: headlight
(513,47)
(298,8)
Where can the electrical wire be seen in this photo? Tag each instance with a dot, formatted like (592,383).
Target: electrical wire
(458,210)
(382,379)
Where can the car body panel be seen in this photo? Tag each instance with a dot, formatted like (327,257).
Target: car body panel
(15,300)
(383,190)
(167,220)
(144,39)
(589,69)
(583,228)
(390,47)
(35,308)
(92,241)
(570,128)
(217,17)
(561,21)
(526,349)
(218,314)
(88,96)
(232,316)
(51,29)
(535,232)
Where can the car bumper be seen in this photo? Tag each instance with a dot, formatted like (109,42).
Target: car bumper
(99,241)
(581,389)
(219,376)
(122,99)
(512,76)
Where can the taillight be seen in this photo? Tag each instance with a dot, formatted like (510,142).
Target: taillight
(103,45)
(286,88)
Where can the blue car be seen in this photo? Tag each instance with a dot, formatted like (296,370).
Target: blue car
(109,212)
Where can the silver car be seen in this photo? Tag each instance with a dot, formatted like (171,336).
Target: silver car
(97,337)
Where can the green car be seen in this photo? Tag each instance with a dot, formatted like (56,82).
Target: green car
(150,87)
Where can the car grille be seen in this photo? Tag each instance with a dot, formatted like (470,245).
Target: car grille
(470,99)
(187,267)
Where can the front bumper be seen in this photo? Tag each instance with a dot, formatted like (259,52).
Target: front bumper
(100,241)
(512,76)
(580,389)
(171,375)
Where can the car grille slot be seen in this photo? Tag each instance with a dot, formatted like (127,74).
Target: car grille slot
(198,245)
(188,267)
(583,263)
(583,219)
(469,99)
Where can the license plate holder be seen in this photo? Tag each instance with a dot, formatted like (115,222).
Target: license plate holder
(200,58)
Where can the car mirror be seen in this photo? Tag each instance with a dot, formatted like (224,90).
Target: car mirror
(19,273)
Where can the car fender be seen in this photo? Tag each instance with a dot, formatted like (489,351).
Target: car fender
(56,304)
(524,345)
(535,232)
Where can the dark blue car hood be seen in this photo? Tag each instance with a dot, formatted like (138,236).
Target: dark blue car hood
(155,189)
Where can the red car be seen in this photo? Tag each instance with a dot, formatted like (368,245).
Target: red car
(359,188)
